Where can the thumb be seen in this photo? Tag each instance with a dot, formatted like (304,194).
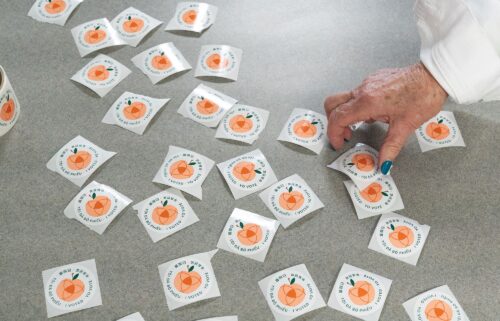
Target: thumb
(395,140)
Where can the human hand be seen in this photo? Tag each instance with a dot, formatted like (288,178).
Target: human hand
(404,98)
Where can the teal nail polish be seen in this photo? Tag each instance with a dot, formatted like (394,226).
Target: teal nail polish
(386,167)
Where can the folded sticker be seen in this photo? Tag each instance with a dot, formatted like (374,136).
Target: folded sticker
(438,304)
(290,200)
(78,160)
(305,128)
(381,196)
(219,61)
(101,74)
(243,123)
(359,293)
(9,105)
(95,35)
(206,106)
(291,293)
(161,61)
(192,16)
(165,213)
(247,174)
(360,163)
(189,279)
(438,132)
(96,206)
(53,11)
(133,112)
(133,25)
(184,170)
(71,287)
(132,317)
(248,234)
(399,237)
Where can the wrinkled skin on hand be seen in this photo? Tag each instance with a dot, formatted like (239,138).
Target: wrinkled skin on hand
(404,98)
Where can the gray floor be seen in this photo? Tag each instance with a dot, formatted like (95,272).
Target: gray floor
(295,53)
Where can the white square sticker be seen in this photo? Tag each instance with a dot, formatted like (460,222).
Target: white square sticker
(439,131)
(219,61)
(133,112)
(160,62)
(305,128)
(101,74)
(95,35)
(247,174)
(243,123)
(133,25)
(206,106)
(78,160)
(53,11)
(192,16)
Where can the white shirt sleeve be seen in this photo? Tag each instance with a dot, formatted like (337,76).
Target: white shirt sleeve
(461,46)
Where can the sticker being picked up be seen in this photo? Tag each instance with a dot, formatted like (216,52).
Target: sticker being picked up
(71,287)
(132,317)
(101,74)
(399,237)
(305,128)
(161,61)
(291,293)
(359,293)
(439,131)
(53,11)
(165,213)
(360,163)
(219,61)
(133,112)
(96,206)
(133,25)
(206,106)
(189,279)
(243,123)
(290,200)
(438,304)
(78,160)
(381,196)
(248,234)
(247,174)
(184,170)
(192,16)
(95,35)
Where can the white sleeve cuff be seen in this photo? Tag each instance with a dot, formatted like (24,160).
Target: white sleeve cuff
(459,50)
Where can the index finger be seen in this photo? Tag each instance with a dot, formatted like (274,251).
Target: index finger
(341,117)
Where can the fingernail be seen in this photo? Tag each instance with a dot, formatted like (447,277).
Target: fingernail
(386,167)
(346,140)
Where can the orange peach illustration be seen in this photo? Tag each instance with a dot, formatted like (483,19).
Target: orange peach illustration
(291,294)
(250,234)
(187,282)
(373,193)
(291,200)
(305,129)
(55,6)
(134,110)
(161,62)
(401,236)
(438,310)
(8,109)
(437,130)
(363,161)
(165,214)
(94,36)
(215,61)
(98,206)
(189,17)
(245,171)
(182,169)
(206,106)
(70,289)
(78,160)
(240,123)
(133,25)
(99,73)
(361,293)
